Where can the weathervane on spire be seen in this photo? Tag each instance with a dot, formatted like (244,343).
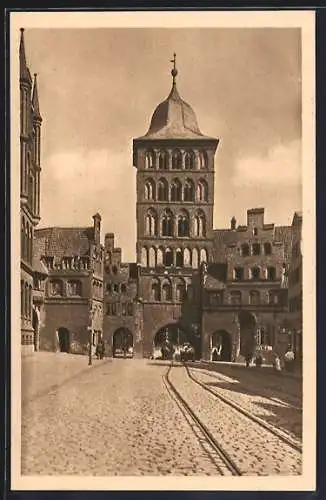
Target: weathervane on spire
(174,70)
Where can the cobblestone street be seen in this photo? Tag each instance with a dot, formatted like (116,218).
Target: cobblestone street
(117,418)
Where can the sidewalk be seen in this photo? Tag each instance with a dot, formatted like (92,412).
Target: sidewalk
(266,369)
(42,371)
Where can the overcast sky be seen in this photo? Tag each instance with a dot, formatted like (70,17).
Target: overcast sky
(98,89)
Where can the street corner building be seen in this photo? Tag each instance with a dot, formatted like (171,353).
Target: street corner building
(224,291)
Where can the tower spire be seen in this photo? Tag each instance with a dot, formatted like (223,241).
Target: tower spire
(174,71)
(35,101)
(24,71)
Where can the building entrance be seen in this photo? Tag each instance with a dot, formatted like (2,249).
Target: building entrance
(248,329)
(170,340)
(123,343)
(64,339)
(221,346)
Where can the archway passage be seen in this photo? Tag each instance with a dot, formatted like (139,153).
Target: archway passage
(35,328)
(170,339)
(221,346)
(248,328)
(64,339)
(123,343)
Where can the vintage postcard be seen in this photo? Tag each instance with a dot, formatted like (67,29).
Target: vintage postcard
(163,250)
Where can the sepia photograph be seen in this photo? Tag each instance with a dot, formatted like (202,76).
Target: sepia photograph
(163,246)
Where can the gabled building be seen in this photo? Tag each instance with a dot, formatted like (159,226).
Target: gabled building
(73,260)
(245,288)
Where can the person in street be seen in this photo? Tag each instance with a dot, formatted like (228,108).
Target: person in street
(277,363)
(100,349)
(248,359)
(289,359)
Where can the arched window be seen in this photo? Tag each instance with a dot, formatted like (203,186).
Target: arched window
(186,257)
(180,290)
(22,303)
(75,288)
(149,159)
(144,257)
(23,245)
(188,191)
(271,273)
(27,246)
(254,298)
(267,248)
(235,298)
(245,250)
(176,190)
(255,249)
(202,190)
(203,255)
(149,189)
(26,301)
(273,297)
(162,160)
(56,287)
(190,160)
(167,223)
(166,290)
(200,225)
(30,301)
(151,223)
(255,273)
(168,257)
(151,257)
(203,160)
(179,258)
(183,224)
(160,257)
(162,190)
(155,290)
(195,258)
(176,160)
(31,244)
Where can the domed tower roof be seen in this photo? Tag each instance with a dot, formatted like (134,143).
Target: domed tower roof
(174,118)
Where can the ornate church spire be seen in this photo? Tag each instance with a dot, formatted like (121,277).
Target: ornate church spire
(174,71)
(24,73)
(35,101)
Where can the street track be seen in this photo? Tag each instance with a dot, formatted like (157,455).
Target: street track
(223,462)
(270,428)
(264,392)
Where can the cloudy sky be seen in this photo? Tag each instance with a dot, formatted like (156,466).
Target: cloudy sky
(98,89)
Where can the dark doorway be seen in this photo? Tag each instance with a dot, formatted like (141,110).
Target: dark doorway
(248,328)
(123,343)
(176,338)
(221,346)
(64,339)
(35,328)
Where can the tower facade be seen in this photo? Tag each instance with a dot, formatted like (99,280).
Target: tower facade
(175,197)
(30,168)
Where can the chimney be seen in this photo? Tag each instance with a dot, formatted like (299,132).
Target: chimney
(97,228)
(233,223)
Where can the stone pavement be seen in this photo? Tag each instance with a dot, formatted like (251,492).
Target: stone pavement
(117,418)
(255,451)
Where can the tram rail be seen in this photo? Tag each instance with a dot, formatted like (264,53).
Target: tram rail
(270,428)
(224,463)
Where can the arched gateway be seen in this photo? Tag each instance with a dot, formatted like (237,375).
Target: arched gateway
(123,343)
(221,346)
(248,330)
(173,334)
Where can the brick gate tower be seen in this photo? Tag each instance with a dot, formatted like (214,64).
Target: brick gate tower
(175,197)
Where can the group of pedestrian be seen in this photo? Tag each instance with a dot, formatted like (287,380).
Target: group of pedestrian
(287,361)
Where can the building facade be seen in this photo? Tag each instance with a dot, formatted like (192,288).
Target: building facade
(72,261)
(225,291)
(30,171)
